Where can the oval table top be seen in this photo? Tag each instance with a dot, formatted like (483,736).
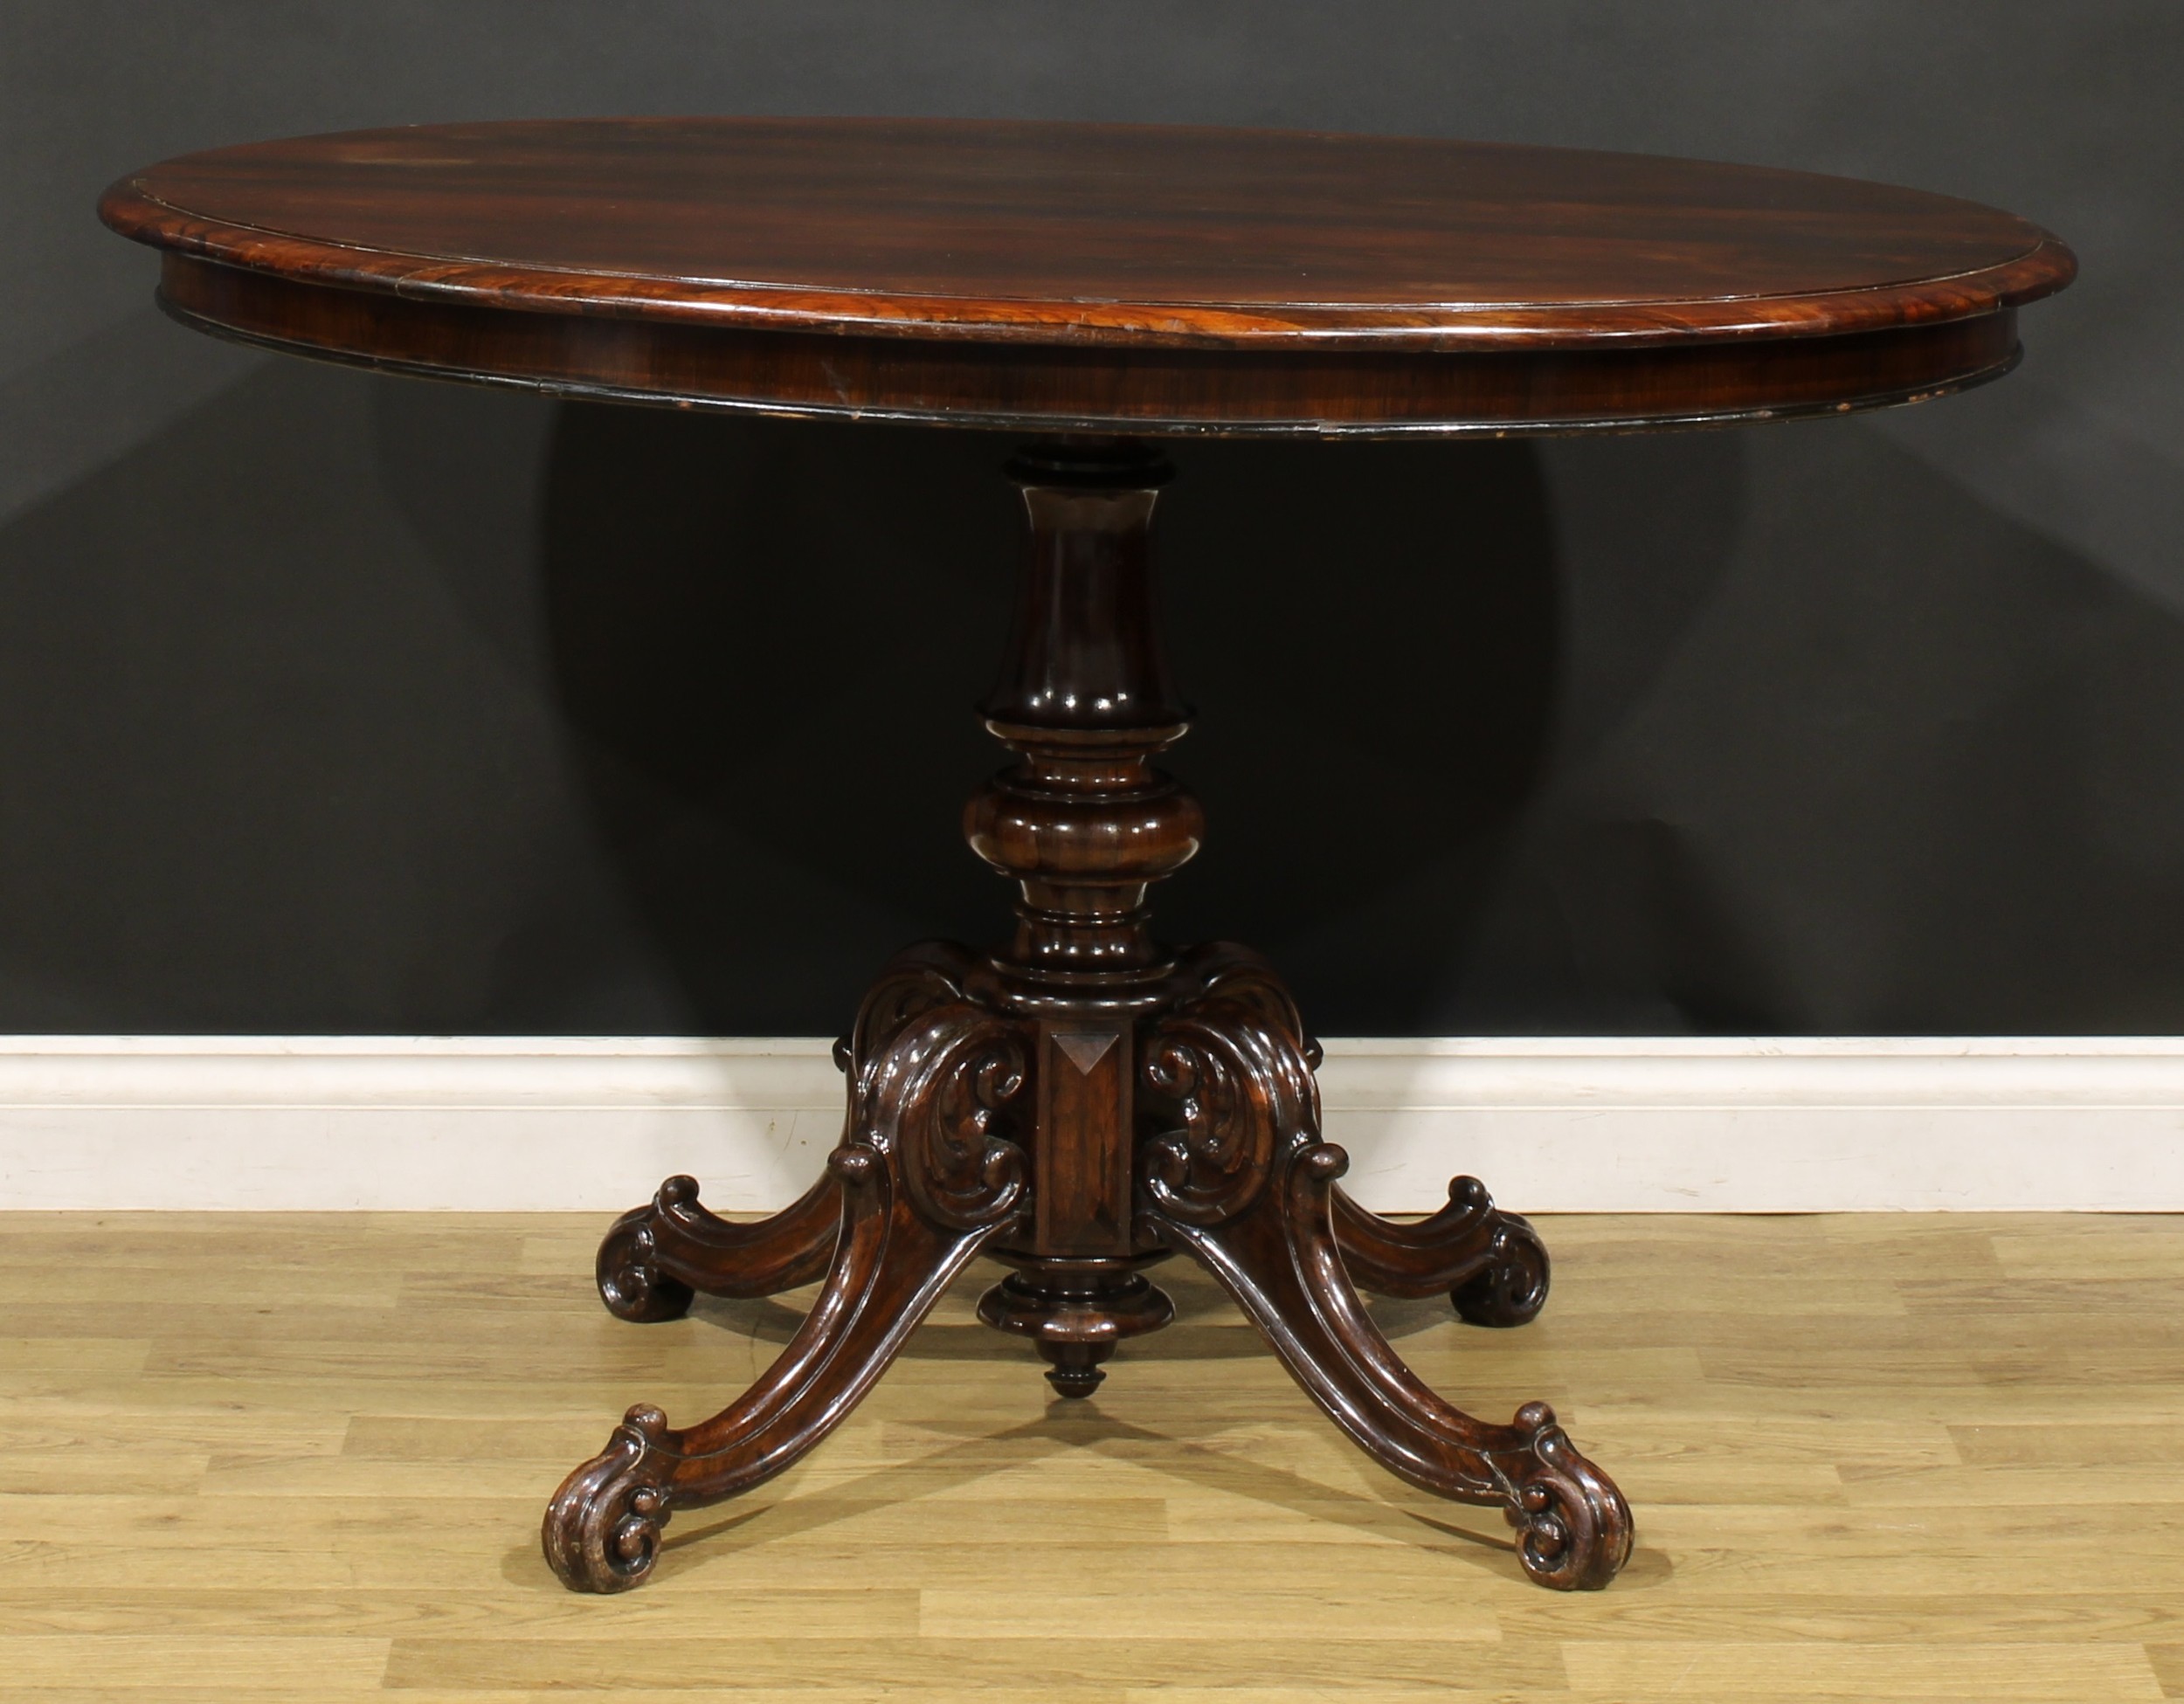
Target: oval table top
(1096,276)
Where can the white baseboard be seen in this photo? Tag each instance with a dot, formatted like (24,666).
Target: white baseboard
(1561,1125)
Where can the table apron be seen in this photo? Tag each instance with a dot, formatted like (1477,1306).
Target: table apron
(1286,391)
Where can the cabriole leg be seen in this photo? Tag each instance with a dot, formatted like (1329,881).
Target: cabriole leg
(927,1176)
(656,1256)
(1492,1263)
(1245,1183)
(1083,1104)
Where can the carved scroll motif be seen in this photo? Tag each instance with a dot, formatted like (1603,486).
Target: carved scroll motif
(935,1079)
(926,1174)
(1231,1062)
(1248,1186)
(602,1529)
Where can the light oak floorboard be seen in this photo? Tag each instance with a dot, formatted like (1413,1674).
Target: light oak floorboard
(288,1457)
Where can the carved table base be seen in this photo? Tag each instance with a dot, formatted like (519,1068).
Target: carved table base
(1081,1107)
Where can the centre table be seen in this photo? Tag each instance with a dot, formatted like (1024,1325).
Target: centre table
(1085,1102)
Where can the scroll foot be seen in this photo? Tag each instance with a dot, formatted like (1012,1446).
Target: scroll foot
(1492,1263)
(602,1529)
(924,1178)
(657,1256)
(1511,1287)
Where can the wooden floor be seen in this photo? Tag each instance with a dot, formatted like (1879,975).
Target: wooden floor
(1872,1458)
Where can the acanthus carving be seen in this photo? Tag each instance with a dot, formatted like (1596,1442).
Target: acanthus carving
(1210,1169)
(962,1172)
(934,1078)
(1202,1135)
(924,1176)
(1231,1064)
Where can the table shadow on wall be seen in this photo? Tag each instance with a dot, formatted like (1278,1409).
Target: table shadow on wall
(317,718)
(775,632)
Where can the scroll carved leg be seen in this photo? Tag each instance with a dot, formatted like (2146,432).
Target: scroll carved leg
(925,1177)
(1168,1103)
(1492,1263)
(657,1256)
(1246,1186)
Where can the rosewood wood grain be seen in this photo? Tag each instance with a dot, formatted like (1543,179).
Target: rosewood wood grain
(1246,1185)
(1084,1103)
(1094,1104)
(1339,391)
(1492,1263)
(1093,277)
(1094,234)
(657,1256)
(927,1175)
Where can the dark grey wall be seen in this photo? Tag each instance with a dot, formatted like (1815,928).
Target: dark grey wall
(332,703)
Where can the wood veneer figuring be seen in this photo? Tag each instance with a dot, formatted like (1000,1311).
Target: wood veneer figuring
(1092,276)
(1085,1102)
(281,1457)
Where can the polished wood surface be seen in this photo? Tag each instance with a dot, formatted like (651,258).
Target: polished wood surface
(1083,1104)
(298,1458)
(1089,233)
(1081,275)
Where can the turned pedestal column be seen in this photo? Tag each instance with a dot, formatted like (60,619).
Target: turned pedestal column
(1080,1106)
(1083,1103)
